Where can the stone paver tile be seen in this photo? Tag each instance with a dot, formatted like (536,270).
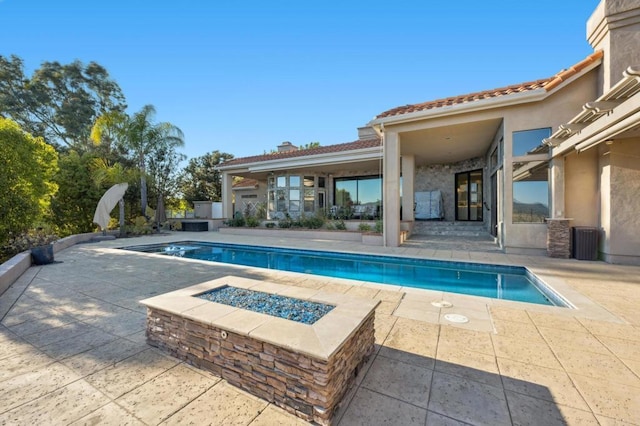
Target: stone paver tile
(31,327)
(561,322)
(103,356)
(468,401)
(623,348)
(368,408)
(221,405)
(130,373)
(57,334)
(20,364)
(435,419)
(109,415)
(468,364)
(610,399)
(608,421)
(271,416)
(364,292)
(29,386)
(510,314)
(458,338)
(389,295)
(529,351)
(19,316)
(416,314)
(335,288)
(540,382)
(412,341)
(167,393)
(63,406)
(399,380)
(14,346)
(610,329)
(633,365)
(606,367)
(517,330)
(585,341)
(386,308)
(82,343)
(121,324)
(383,325)
(526,410)
(139,337)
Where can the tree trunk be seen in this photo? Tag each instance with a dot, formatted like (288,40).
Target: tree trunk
(143,194)
(121,203)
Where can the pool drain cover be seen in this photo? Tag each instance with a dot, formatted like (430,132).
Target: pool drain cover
(457,318)
(442,304)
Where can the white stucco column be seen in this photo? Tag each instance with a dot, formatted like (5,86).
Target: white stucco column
(408,178)
(227,197)
(557,188)
(391,188)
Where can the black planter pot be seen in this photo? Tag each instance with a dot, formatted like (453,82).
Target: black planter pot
(42,255)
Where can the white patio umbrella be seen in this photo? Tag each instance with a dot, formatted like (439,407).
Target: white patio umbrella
(107,203)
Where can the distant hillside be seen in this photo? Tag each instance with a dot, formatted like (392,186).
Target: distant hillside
(529,212)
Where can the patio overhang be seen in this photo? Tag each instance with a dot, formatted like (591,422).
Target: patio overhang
(613,115)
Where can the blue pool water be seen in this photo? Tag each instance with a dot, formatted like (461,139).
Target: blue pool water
(495,281)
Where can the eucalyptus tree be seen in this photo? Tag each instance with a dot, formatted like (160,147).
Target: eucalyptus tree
(201,180)
(58,102)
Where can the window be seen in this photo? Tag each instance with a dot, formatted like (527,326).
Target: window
(309,181)
(530,142)
(309,200)
(361,190)
(294,200)
(249,196)
(530,178)
(294,181)
(281,182)
(321,181)
(530,192)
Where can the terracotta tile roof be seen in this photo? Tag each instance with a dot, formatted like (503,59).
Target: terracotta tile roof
(546,84)
(350,146)
(245,183)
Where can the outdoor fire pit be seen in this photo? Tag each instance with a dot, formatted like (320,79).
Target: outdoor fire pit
(295,347)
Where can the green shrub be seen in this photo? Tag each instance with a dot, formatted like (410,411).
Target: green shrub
(252,222)
(237,221)
(339,224)
(364,227)
(270,225)
(379,226)
(312,222)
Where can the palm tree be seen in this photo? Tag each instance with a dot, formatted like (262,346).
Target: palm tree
(140,136)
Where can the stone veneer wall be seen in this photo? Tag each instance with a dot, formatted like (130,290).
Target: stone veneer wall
(558,238)
(307,387)
(442,177)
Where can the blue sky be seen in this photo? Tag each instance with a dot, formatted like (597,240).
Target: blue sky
(241,77)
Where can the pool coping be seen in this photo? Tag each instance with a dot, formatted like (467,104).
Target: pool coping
(319,340)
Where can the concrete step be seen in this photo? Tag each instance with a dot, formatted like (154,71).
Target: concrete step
(459,229)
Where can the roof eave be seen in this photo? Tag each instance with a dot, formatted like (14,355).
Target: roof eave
(474,106)
(485,104)
(310,160)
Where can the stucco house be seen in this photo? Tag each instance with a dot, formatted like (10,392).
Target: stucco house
(527,162)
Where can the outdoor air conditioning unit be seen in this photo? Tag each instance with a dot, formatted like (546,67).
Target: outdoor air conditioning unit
(584,241)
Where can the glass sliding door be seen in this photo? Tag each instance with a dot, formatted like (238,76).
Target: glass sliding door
(469,196)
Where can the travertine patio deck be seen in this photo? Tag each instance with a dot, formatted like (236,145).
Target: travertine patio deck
(73,351)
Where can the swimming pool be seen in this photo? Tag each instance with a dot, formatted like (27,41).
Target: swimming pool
(494,281)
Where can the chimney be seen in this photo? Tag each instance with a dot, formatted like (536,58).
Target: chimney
(287,146)
(614,27)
